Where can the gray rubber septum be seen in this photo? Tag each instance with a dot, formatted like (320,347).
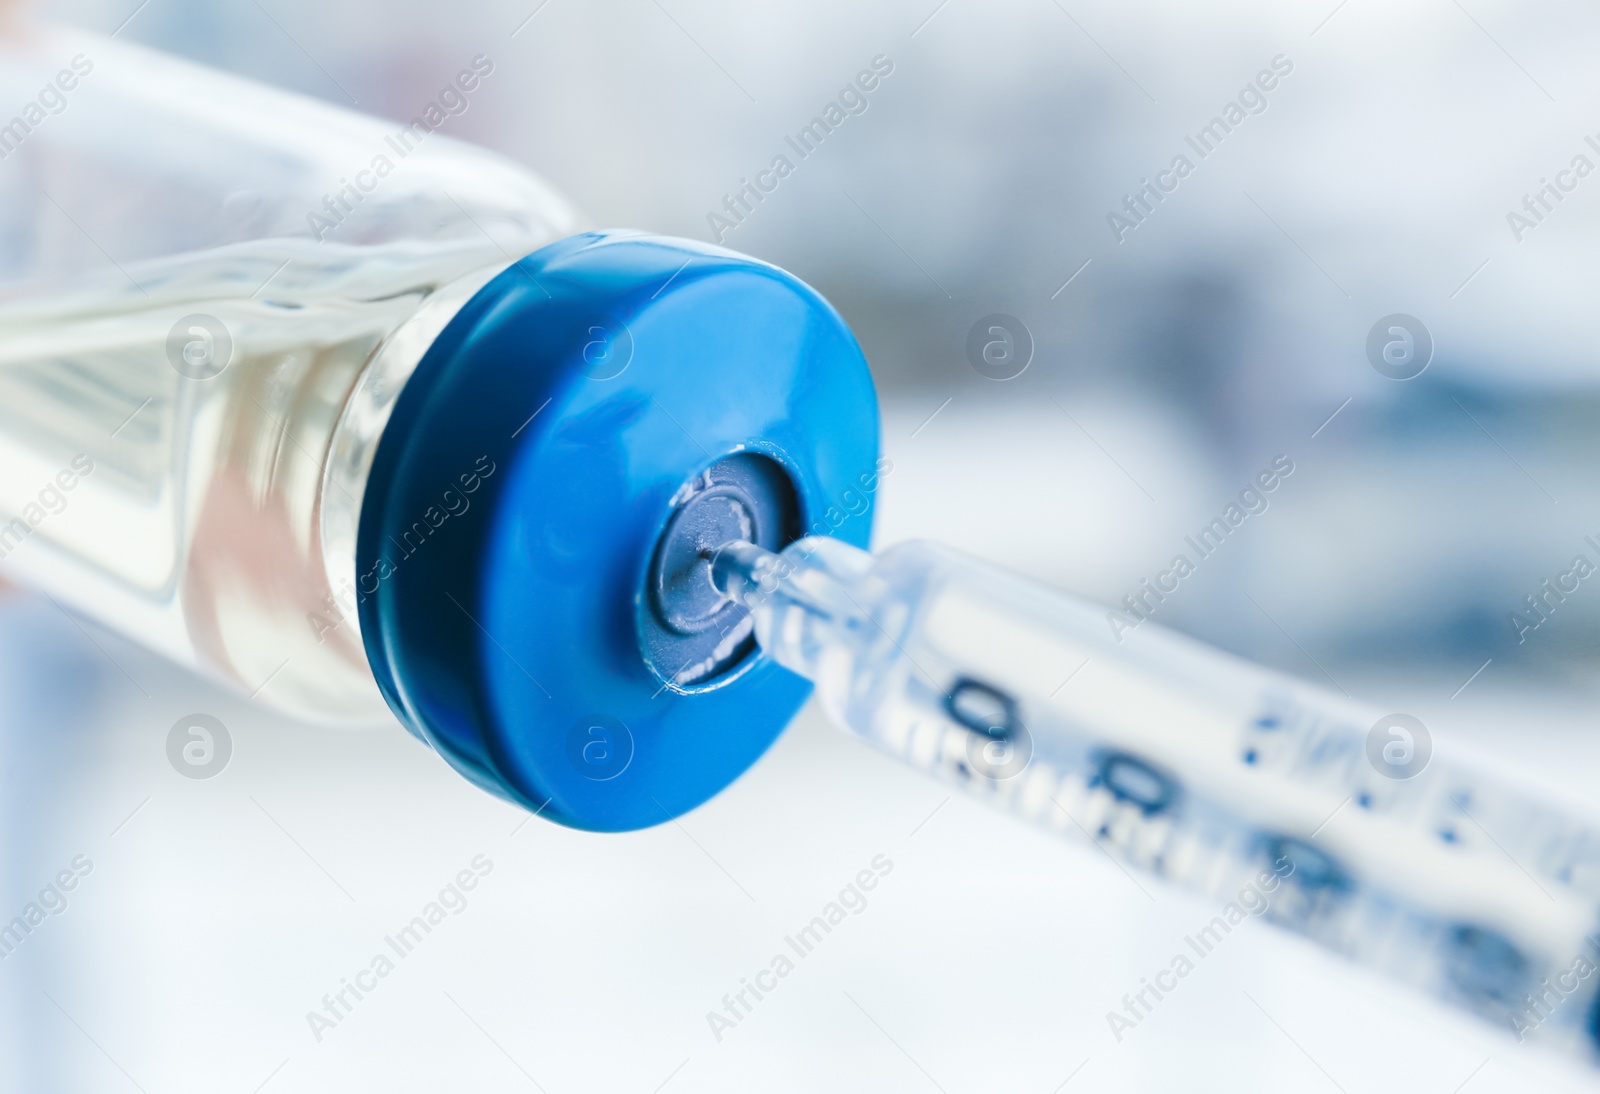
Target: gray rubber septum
(692,635)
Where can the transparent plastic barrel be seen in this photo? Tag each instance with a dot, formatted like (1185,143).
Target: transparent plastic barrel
(1278,799)
(210,294)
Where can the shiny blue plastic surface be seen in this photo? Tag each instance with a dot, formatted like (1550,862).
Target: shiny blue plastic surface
(521,486)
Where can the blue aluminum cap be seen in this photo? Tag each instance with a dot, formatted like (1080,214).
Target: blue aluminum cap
(589,420)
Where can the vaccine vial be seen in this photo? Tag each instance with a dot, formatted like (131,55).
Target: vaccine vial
(341,412)
(210,294)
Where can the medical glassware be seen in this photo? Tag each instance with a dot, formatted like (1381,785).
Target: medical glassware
(210,294)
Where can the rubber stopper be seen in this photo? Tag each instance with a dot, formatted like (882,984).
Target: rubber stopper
(691,634)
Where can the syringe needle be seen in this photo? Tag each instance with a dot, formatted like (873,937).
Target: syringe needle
(738,567)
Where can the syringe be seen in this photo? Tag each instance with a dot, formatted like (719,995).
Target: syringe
(1198,767)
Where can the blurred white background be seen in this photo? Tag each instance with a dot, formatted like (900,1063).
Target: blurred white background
(1169,368)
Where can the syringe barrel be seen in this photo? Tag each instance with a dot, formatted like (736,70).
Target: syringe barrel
(1274,796)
